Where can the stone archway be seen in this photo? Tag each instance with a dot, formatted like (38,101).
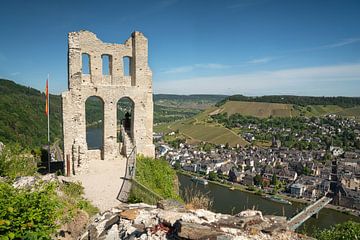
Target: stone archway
(94,116)
(110,87)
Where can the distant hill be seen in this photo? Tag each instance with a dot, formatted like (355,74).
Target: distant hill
(344,102)
(22,115)
(199,101)
(265,109)
(201,127)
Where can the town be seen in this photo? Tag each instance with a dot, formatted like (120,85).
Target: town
(302,174)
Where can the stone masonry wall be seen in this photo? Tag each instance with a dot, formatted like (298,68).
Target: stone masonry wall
(110,89)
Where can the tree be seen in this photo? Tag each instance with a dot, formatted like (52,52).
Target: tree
(213,176)
(306,171)
(258,180)
(346,230)
(274,179)
(177,165)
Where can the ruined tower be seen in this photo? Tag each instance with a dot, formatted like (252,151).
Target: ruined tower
(110,88)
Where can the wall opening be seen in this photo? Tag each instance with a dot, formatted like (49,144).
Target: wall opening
(127,65)
(94,112)
(125,117)
(85,60)
(106,64)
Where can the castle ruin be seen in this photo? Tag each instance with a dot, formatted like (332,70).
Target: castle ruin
(136,86)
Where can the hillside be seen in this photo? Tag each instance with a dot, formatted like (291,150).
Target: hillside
(265,109)
(200,101)
(22,115)
(345,102)
(257,109)
(201,127)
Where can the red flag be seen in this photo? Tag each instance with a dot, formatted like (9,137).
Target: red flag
(47,98)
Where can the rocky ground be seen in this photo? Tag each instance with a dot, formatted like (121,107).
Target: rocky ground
(171,220)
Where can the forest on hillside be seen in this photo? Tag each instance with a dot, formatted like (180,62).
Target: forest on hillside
(297,100)
(22,115)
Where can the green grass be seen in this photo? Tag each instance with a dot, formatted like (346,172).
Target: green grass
(157,176)
(259,109)
(216,134)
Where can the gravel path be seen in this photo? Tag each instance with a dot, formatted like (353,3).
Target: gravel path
(102,182)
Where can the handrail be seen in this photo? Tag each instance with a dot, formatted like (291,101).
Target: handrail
(147,189)
(132,170)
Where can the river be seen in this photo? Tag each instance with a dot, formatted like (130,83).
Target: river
(234,201)
(231,202)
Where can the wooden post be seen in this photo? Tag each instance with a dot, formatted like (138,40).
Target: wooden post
(67,165)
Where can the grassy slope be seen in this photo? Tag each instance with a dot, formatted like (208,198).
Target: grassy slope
(263,110)
(158,177)
(197,129)
(259,109)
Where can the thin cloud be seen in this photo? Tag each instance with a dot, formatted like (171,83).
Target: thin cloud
(260,60)
(342,43)
(288,80)
(190,68)
(15,73)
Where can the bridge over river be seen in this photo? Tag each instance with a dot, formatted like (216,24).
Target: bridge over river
(309,211)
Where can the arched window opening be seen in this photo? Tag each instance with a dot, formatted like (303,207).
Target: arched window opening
(125,117)
(85,59)
(94,112)
(106,64)
(127,66)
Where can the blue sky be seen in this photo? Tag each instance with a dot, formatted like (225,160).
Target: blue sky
(250,47)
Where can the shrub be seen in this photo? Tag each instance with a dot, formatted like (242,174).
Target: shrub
(158,176)
(28,214)
(195,199)
(73,189)
(15,162)
(343,231)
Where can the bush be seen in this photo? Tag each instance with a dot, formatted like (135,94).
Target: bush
(28,214)
(15,162)
(195,199)
(71,189)
(343,231)
(158,176)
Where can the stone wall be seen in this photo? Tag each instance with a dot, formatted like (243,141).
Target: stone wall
(110,89)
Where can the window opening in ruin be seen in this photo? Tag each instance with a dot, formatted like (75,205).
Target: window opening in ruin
(127,66)
(125,117)
(106,64)
(85,63)
(94,112)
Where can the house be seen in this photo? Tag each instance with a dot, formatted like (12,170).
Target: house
(190,167)
(248,179)
(336,151)
(235,175)
(297,190)
(225,169)
(351,182)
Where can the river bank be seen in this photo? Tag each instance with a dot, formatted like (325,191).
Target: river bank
(258,192)
(228,201)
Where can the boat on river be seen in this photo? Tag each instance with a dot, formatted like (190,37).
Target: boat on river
(277,199)
(199,180)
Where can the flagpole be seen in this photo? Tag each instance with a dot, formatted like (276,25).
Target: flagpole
(48,126)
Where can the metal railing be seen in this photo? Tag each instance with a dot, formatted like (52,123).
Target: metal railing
(130,169)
